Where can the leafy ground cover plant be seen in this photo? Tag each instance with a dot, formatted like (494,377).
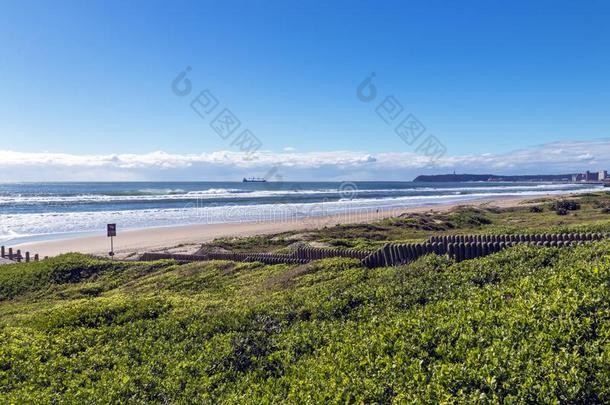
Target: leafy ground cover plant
(526,325)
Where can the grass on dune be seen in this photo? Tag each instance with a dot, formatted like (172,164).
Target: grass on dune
(593,216)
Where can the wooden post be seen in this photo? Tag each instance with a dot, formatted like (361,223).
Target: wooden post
(370,260)
(479,249)
(450,252)
(397,255)
(404,253)
(19,255)
(461,251)
(391,254)
(27,257)
(485,248)
(2,253)
(10,253)
(385,255)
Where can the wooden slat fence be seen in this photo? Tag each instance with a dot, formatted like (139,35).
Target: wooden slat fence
(148,257)
(445,239)
(299,256)
(311,253)
(17,256)
(464,247)
(457,247)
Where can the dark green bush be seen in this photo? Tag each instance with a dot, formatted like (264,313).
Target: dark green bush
(568,205)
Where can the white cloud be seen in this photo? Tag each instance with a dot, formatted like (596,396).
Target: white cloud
(556,157)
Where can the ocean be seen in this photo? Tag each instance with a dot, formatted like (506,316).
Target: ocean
(38,211)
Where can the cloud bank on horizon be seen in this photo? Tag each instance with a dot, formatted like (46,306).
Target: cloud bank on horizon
(551,158)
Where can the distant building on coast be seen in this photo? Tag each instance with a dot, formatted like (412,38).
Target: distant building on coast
(601,175)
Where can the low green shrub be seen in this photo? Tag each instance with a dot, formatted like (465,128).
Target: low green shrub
(526,325)
(468,218)
(102,312)
(568,205)
(69,269)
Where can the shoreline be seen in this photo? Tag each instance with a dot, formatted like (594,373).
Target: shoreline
(188,238)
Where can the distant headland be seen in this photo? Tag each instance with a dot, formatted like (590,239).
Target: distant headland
(587,176)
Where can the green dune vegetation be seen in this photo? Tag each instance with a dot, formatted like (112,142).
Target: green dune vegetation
(528,324)
(585,213)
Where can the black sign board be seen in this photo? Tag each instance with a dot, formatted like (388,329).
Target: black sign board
(111,228)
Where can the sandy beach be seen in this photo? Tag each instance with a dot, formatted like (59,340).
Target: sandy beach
(188,238)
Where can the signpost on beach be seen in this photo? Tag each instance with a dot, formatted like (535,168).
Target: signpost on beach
(111,231)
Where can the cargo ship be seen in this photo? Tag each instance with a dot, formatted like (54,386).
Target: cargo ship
(253,180)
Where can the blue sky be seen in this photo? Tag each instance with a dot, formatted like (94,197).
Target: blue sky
(92,81)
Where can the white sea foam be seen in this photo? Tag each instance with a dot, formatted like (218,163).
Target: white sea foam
(224,193)
(17,224)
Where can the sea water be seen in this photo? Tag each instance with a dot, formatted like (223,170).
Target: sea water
(35,211)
